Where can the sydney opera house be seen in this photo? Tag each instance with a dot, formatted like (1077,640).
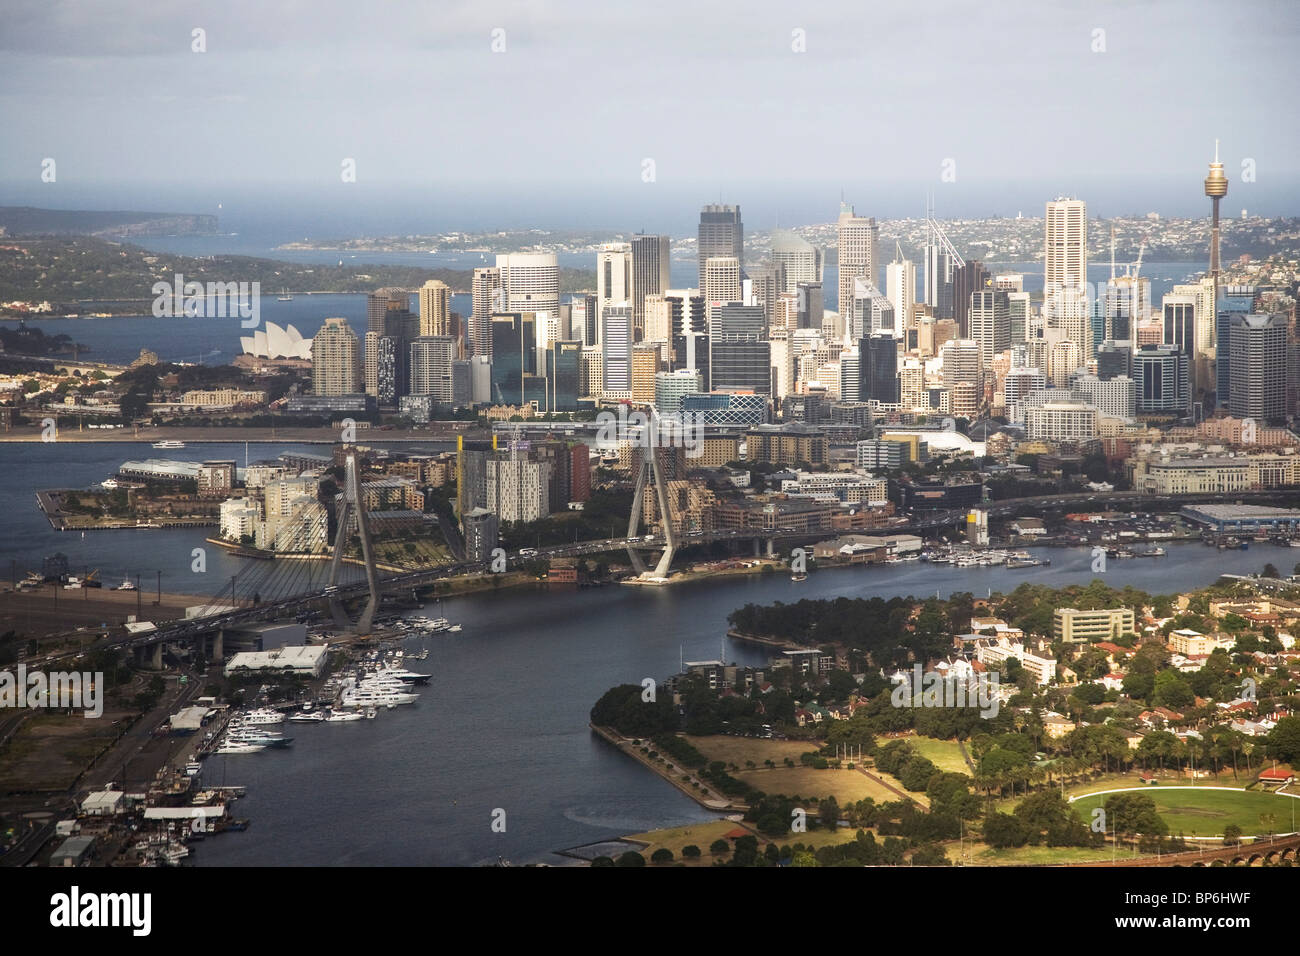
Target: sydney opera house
(275,346)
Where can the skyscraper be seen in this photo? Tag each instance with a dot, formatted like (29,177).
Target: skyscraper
(435,308)
(740,357)
(878,368)
(721,235)
(1179,313)
(530,282)
(1161,372)
(613,275)
(334,362)
(431,361)
(900,287)
(967,279)
(989,320)
(1257,346)
(487,300)
(616,350)
(1065,271)
(800,260)
(857,240)
(514,355)
(721,282)
(650,274)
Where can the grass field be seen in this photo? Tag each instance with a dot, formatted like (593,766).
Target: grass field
(846,786)
(944,754)
(1196,811)
(980,854)
(738,750)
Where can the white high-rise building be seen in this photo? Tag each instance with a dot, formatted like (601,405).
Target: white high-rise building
(1065,272)
(431,359)
(334,359)
(487,299)
(613,275)
(530,282)
(616,345)
(1019,383)
(900,288)
(802,261)
(658,318)
(721,283)
(858,237)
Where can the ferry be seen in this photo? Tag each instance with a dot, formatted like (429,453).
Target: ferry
(170,443)
(126,585)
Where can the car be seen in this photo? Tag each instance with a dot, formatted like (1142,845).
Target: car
(527,552)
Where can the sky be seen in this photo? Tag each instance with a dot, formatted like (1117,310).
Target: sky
(530,106)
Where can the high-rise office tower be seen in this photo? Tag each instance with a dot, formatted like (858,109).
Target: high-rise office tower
(762,286)
(431,361)
(1179,315)
(689,330)
(989,320)
(1019,310)
(435,308)
(941,261)
(488,300)
(1114,359)
(335,366)
(1236,300)
(613,275)
(721,283)
(1126,301)
(657,318)
(799,258)
(721,235)
(869,312)
(380,303)
(858,237)
(671,386)
(812,305)
(1257,345)
(651,261)
(514,355)
(645,366)
(878,368)
(961,360)
(616,347)
(967,279)
(530,282)
(1161,375)
(740,357)
(1065,271)
(900,287)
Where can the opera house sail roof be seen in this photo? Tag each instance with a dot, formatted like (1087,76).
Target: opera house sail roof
(276,343)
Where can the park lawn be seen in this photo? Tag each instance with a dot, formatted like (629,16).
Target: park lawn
(674,838)
(846,786)
(981,854)
(738,750)
(944,754)
(1197,811)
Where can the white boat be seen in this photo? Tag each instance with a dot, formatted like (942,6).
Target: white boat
(108,484)
(454,629)
(370,713)
(126,585)
(376,697)
(340,716)
(169,443)
(240,748)
(263,715)
(306,717)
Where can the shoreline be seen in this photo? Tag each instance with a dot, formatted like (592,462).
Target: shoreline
(719,804)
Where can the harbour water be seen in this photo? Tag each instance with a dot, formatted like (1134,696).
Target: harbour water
(504,721)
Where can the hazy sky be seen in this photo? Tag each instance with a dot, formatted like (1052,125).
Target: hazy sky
(712,92)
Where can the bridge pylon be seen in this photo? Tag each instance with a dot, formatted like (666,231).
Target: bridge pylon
(650,470)
(354,510)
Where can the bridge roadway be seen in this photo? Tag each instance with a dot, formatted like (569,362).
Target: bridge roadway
(182,630)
